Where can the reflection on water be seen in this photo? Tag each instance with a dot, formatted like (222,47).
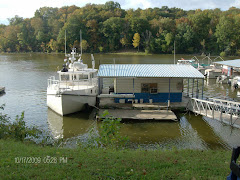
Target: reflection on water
(151,132)
(191,132)
(69,126)
(220,91)
(205,132)
(25,78)
(228,135)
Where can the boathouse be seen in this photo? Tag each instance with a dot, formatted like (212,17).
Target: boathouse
(230,68)
(145,83)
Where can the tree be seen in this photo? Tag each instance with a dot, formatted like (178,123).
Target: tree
(124,41)
(112,29)
(184,38)
(93,33)
(136,40)
(111,6)
(52,45)
(84,45)
(225,32)
(16,20)
(147,36)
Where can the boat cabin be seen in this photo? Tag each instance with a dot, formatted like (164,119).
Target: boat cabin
(77,76)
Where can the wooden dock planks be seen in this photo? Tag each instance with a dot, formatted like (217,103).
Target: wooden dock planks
(141,114)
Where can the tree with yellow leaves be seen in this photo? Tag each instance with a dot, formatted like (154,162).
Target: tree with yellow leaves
(136,40)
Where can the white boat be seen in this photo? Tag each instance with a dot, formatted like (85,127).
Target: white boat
(186,61)
(235,82)
(213,73)
(77,86)
(222,79)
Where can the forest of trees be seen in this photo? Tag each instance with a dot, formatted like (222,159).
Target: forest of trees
(108,28)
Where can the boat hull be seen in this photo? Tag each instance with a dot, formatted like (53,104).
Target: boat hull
(68,103)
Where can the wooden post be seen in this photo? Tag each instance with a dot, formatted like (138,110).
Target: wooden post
(202,87)
(188,88)
(192,87)
(133,86)
(231,113)
(197,90)
(169,95)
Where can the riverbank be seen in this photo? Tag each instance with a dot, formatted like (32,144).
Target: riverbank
(85,163)
(120,52)
(130,53)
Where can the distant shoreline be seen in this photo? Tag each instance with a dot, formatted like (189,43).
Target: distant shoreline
(114,53)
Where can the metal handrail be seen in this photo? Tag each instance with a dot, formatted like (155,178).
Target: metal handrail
(205,107)
(68,84)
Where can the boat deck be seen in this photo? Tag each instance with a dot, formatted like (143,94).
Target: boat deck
(159,115)
(149,106)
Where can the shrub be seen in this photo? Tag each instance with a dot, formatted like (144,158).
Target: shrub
(109,133)
(16,130)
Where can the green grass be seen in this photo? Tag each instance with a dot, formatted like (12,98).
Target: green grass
(83,163)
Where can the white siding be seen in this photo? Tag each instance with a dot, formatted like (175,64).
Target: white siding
(125,85)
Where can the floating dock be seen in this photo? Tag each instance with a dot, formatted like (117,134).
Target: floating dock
(2,90)
(133,114)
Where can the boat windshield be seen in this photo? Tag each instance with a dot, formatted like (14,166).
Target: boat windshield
(65,77)
(78,76)
(83,76)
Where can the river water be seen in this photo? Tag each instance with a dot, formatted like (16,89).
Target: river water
(25,78)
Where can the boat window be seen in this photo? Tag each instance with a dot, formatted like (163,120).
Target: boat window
(74,77)
(64,77)
(83,76)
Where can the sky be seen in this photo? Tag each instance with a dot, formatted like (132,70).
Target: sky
(26,8)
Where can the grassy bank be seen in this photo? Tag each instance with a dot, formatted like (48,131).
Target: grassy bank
(81,163)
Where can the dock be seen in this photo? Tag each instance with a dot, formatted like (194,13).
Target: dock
(2,90)
(133,114)
(225,111)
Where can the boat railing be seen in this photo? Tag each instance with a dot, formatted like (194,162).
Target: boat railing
(69,84)
(53,83)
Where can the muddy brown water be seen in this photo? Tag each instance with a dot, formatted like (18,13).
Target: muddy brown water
(25,78)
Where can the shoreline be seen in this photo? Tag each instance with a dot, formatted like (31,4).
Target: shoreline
(127,53)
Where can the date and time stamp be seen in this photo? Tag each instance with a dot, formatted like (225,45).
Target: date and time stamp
(38,160)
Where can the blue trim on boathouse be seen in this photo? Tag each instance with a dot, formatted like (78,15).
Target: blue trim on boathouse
(159,97)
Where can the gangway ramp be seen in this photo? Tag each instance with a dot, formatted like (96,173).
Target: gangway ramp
(219,109)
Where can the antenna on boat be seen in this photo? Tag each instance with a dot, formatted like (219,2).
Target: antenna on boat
(81,40)
(65,44)
(93,61)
